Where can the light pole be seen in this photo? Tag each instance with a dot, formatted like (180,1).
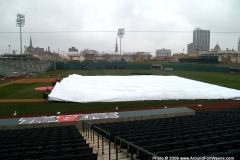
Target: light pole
(120,34)
(183,51)
(9,48)
(20,22)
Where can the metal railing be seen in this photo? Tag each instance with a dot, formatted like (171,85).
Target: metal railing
(89,130)
(131,146)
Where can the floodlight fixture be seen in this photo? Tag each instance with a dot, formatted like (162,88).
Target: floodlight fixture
(20,22)
(120,33)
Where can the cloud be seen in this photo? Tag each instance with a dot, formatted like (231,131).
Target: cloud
(51,17)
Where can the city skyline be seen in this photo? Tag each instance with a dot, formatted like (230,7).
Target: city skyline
(94,24)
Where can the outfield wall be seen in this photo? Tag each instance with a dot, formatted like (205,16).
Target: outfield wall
(100,65)
(124,65)
(138,66)
(195,68)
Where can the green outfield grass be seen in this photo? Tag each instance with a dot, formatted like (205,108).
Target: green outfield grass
(54,107)
(22,91)
(26,91)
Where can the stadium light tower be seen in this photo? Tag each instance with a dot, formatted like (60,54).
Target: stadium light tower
(20,22)
(120,34)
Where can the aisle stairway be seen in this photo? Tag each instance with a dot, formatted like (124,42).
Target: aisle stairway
(105,156)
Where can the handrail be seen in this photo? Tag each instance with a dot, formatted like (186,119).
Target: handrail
(131,154)
(88,128)
(109,140)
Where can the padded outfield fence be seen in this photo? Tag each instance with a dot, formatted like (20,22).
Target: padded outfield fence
(75,65)
(195,67)
(93,65)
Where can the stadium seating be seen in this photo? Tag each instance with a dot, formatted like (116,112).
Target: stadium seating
(61,142)
(7,68)
(212,133)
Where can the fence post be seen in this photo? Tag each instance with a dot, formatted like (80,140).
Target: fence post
(114,143)
(131,151)
(109,147)
(90,131)
(98,139)
(86,129)
(83,125)
(116,140)
(93,136)
(102,145)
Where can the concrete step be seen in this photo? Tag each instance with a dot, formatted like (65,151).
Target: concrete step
(106,151)
(96,141)
(105,155)
(113,157)
(100,144)
(95,137)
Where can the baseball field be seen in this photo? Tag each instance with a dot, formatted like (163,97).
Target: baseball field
(19,94)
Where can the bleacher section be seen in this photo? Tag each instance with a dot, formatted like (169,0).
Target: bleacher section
(45,143)
(7,68)
(213,133)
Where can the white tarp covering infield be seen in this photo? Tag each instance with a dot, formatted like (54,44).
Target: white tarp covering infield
(77,88)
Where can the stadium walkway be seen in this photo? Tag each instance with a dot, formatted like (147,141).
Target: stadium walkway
(96,116)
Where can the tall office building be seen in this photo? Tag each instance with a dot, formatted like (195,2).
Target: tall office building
(239,44)
(202,37)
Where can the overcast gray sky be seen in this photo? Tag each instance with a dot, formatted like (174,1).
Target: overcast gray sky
(46,19)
